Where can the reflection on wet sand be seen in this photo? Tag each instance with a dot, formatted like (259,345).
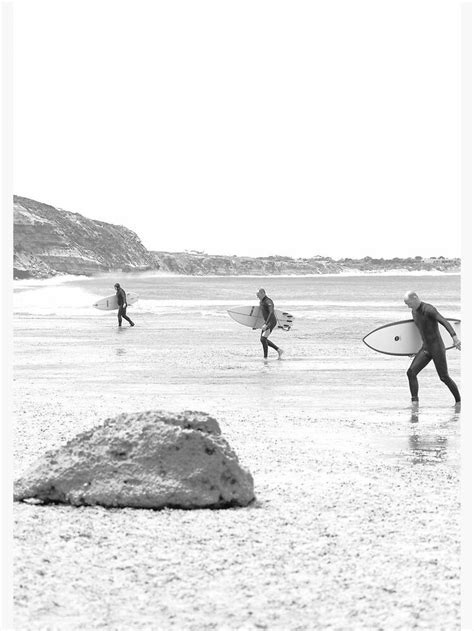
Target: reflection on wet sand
(425,447)
(120,351)
(415,411)
(428,448)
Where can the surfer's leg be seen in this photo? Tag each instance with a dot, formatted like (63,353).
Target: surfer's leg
(272,345)
(439,359)
(264,341)
(125,316)
(119,315)
(422,359)
(269,342)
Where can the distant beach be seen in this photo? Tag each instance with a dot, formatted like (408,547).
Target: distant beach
(64,278)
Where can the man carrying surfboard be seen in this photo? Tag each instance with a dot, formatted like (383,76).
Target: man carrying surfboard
(122,305)
(268,312)
(426,318)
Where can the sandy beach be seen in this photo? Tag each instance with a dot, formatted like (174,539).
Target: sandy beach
(356,522)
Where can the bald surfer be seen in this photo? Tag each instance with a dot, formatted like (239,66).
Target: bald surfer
(268,313)
(427,318)
(122,305)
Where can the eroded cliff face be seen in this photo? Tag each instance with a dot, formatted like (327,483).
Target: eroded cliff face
(50,241)
(201,264)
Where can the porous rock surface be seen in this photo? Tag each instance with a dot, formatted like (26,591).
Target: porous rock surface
(151,459)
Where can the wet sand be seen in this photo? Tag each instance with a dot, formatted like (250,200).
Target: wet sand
(354,527)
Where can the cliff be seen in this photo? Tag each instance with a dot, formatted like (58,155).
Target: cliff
(50,241)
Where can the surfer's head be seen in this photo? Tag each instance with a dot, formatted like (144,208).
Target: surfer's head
(411,299)
(117,285)
(261,293)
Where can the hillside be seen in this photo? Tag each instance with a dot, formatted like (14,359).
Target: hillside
(50,241)
(201,264)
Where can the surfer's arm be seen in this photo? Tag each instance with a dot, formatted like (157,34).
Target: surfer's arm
(447,325)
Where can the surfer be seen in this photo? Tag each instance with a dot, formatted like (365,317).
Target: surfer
(426,318)
(268,312)
(122,305)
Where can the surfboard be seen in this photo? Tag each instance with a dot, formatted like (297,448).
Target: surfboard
(403,338)
(110,303)
(252,317)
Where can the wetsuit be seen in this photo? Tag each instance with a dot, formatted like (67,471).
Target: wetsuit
(268,312)
(122,306)
(426,318)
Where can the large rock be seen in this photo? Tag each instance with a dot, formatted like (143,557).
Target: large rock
(144,460)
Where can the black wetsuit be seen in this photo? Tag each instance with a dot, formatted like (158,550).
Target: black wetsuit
(268,313)
(122,306)
(426,318)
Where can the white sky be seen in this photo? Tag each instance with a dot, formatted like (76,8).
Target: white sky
(250,127)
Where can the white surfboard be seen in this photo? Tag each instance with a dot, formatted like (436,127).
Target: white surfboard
(110,303)
(252,317)
(403,338)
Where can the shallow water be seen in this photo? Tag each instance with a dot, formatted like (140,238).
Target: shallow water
(184,340)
